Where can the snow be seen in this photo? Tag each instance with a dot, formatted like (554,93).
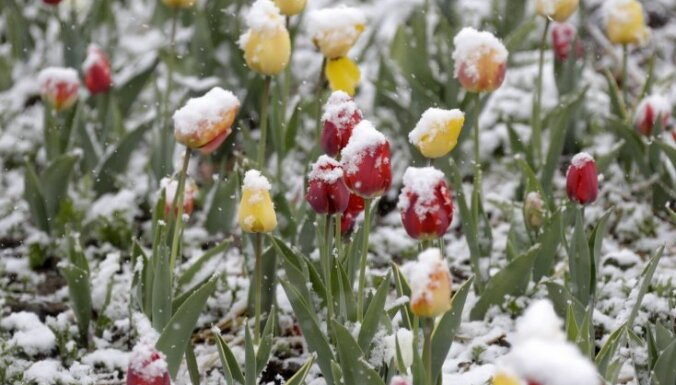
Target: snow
(335,24)
(122,203)
(264,16)
(102,279)
(540,321)
(111,359)
(365,138)
(31,336)
(660,106)
(205,111)
(147,362)
(470,45)
(255,181)
(94,55)
(433,120)
(326,169)
(580,159)
(616,9)
(419,274)
(421,183)
(51,76)
(47,372)
(405,339)
(170,186)
(339,108)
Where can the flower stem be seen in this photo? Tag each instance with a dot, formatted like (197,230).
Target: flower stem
(318,98)
(625,60)
(477,148)
(264,122)
(362,261)
(258,246)
(337,234)
(177,208)
(327,262)
(537,100)
(428,327)
(164,161)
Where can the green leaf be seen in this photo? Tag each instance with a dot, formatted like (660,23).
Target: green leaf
(80,296)
(162,291)
(372,317)
(221,206)
(596,237)
(175,336)
(664,371)
(607,352)
(231,370)
(347,303)
(582,276)
(265,346)
(249,359)
(562,299)
(519,35)
(36,198)
(295,268)
(299,377)
(55,180)
(549,242)
(616,100)
(195,268)
(355,370)
(403,289)
(648,273)
(127,92)
(115,161)
(191,363)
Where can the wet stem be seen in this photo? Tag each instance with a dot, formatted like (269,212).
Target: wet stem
(537,99)
(177,208)
(265,101)
(258,250)
(362,260)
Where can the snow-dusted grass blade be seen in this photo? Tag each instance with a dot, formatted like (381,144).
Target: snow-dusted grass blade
(197,266)
(231,370)
(664,371)
(373,314)
(299,377)
(265,346)
(191,363)
(355,370)
(162,291)
(648,273)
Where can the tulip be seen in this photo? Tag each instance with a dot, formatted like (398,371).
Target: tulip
(266,44)
(179,3)
(256,210)
(437,131)
(170,187)
(96,68)
(398,380)
(147,366)
(480,60)
(652,109)
(59,87)
(341,114)
(506,378)
(425,203)
(335,30)
(355,206)
(581,179)
(558,10)
(51,2)
(205,122)
(624,21)
(366,161)
(343,75)
(430,282)
(327,192)
(290,7)
(534,210)
(563,36)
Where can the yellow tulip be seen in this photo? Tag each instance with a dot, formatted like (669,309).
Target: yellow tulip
(343,75)
(179,3)
(335,30)
(624,22)
(502,378)
(266,45)
(256,210)
(437,131)
(290,7)
(430,282)
(559,10)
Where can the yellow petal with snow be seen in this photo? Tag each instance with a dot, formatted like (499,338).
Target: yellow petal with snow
(343,75)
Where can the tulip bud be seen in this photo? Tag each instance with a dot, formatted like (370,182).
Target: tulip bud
(404,339)
(398,380)
(205,122)
(425,203)
(480,60)
(59,87)
(327,192)
(366,161)
(335,30)
(290,7)
(341,114)
(256,211)
(652,109)
(563,36)
(437,131)
(147,366)
(504,377)
(266,44)
(96,68)
(170,187)
(355,205)
(179,3)
(624,21)
(534,210)
(51,2)
(430,282)
(581,180)
(558,10)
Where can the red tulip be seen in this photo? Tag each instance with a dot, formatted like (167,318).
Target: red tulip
(147,366)
(51,2)
(59,87)
(649,111)
(581,180)
(563,36)
(327,192)
(341,114)
(96,68)
(355,206)
(425,203)
(366,161)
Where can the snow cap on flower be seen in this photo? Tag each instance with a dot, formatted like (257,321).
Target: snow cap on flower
(582,183)
(96,68)
(563,37)
(147,366)
(290,7)
(430,282)
(437,131)
(425,203)
(204,122)
(59,87)
(256,210)
(266,44)
(539,321)
(480,60)
(335,30)
(170,186)
(340,116)
(625,22)
(327,192)
(559,10)
(366,161)
(652,109)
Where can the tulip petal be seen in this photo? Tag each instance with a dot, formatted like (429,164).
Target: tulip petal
(343,75)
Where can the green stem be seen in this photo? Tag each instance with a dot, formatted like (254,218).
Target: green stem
(177,207)
(337,234)
(327,256)
(625,60)
(477,152)
(537,99)
(258,245)
(318,98)
(264,122)
(362,261)
(164,161)
(428,327)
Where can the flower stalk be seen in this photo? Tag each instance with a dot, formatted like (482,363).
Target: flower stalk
(537,98)
(264,122)
(363,257)
(178,209)
(258,274)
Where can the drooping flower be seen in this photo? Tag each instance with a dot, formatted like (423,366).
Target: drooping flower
(96,68)
(425,203)
(147,366)
(266,44)
(625,23)
(534,210)
(340,116)
(558,10)
(581,179)
(480,60)
(256,210)
(563,37)
(205,122)
(290,7)
(59,87)
(430,281)
(327,192)
(170,186)
(335,30)
(437,132)
(652,109)
(355,205)
(179,3)
(366,161)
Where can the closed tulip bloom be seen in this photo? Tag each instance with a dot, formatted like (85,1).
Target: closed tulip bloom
(624,21)
(559,10)
(480,60)
(147,366)
(205,122)
(340,116)
(563,37)
(355,205)
(430,282)
(290,7)
(398,380)
(335,30)
(425,203)
(179,3)
(170,186)
(437,131)
(652,109)
(366,161)
(504,377)
(266,44)
(51,2)
(534,210)
(59,87)
(96,68)
(256,210)
(327,192)
(582,183)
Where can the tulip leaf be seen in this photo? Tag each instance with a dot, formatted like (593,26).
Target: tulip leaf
(221,205)
(199,264)
(265,346)
(647,274)
(581,264)
(355,370)
(403,290)
(162,292)
(347,304)
(549,243)
(607,352)
(664,371)
(36,198)
(616,100)
(55,180)
(562,298)
(249,359)
(299,377)
(295,268)
(231,370)
(373,314)
(668,150)
(128,92)
(191,363)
